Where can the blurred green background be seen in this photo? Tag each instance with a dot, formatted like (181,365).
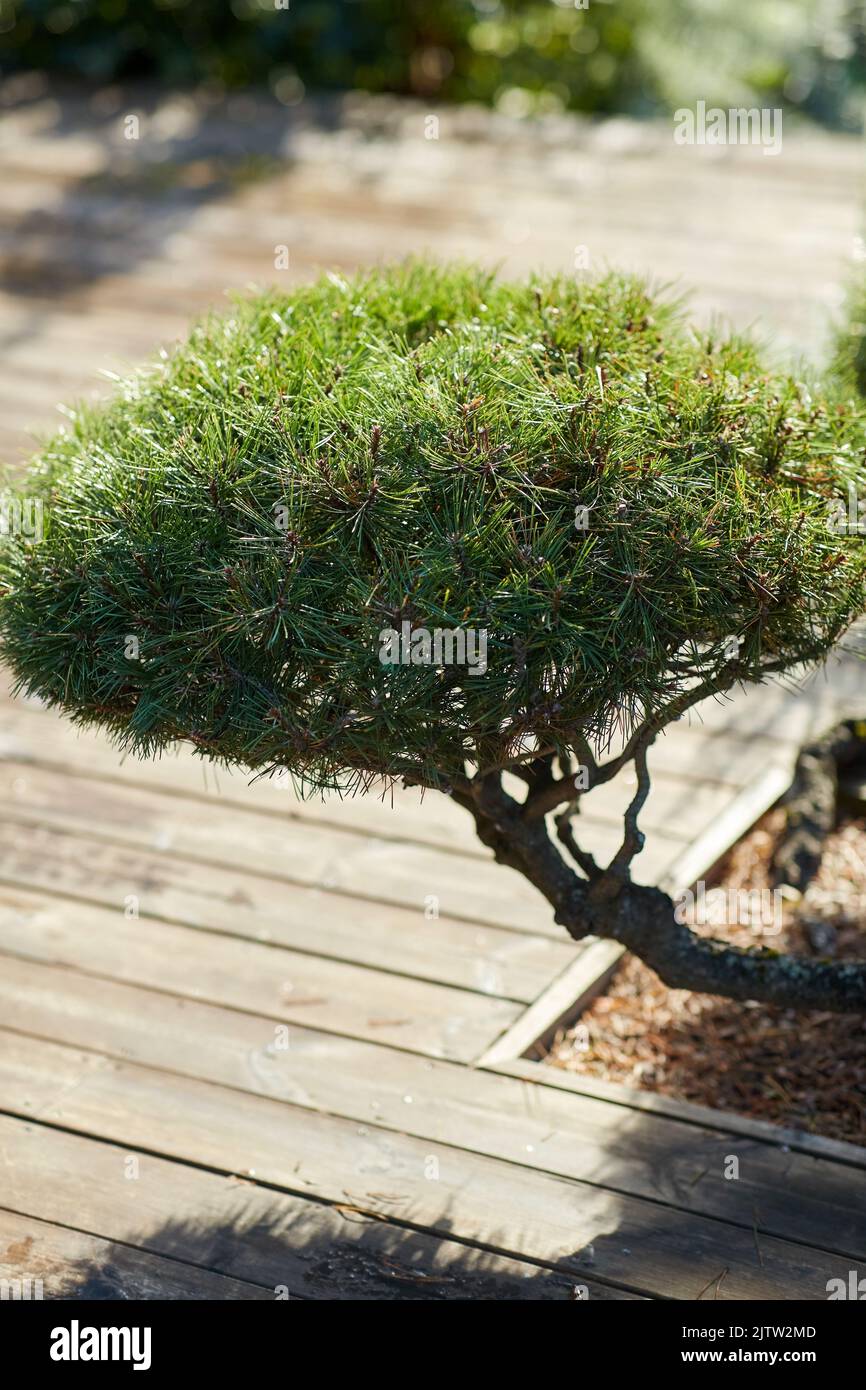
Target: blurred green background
(526,57)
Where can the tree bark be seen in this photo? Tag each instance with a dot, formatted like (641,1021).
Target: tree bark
(643,920)
(811,804)
(610,905)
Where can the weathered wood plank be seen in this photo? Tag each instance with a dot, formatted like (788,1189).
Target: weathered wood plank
(336,926)
(650,1102)
(389,922)
(286,985)
(558,1005)
(797,1197)
(307,1249)
(33,734)
(576,1227)
(687,750)
(262,848)
(73,1265)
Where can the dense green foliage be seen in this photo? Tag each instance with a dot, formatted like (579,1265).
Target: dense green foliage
(848,365)
(526,55)
(411,447)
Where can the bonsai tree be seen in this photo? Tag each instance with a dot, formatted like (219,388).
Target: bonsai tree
(271,543)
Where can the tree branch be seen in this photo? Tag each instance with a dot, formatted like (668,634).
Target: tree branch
(617,871)
(566,836)
(644,919)
(564,789)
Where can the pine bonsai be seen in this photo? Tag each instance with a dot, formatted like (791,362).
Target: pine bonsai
(257,544)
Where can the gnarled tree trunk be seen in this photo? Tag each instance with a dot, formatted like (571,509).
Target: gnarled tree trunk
(589,900)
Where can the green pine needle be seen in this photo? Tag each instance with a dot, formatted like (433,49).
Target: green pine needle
(411,446)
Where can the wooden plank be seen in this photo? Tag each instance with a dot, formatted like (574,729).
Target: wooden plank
(336,926)
(345,231)
(790,714)
(689,751)
(307,1249)
(192,843)
(345,863)
(794,1197)
(444,193)
(72,1265)
(299,852)
(736,820)
(32,734)
(680,805)
(46,739)
(343,860)
(559,1004)
(107,870)
(286,985)
(547,174)
(650,1102)
(102,228)
(576,1227)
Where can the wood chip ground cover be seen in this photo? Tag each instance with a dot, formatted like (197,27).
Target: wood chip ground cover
(802,1069)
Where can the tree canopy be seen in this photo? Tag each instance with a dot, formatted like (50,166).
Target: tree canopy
(621,504)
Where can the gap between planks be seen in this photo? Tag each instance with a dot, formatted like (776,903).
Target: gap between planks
(571,1225)
(544,1127)
(246,1231)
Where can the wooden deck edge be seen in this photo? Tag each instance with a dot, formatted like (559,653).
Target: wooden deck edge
(687,1112)
(742,812)
(557,1005)
(566,997)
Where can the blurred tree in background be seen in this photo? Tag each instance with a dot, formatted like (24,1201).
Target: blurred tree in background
(523,56)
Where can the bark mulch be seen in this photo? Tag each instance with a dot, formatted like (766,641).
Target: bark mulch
(806,1070)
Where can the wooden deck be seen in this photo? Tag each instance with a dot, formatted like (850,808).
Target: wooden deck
(250,1045)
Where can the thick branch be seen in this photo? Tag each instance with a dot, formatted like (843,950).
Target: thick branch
(523,846)
(810,803)
(644,920)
